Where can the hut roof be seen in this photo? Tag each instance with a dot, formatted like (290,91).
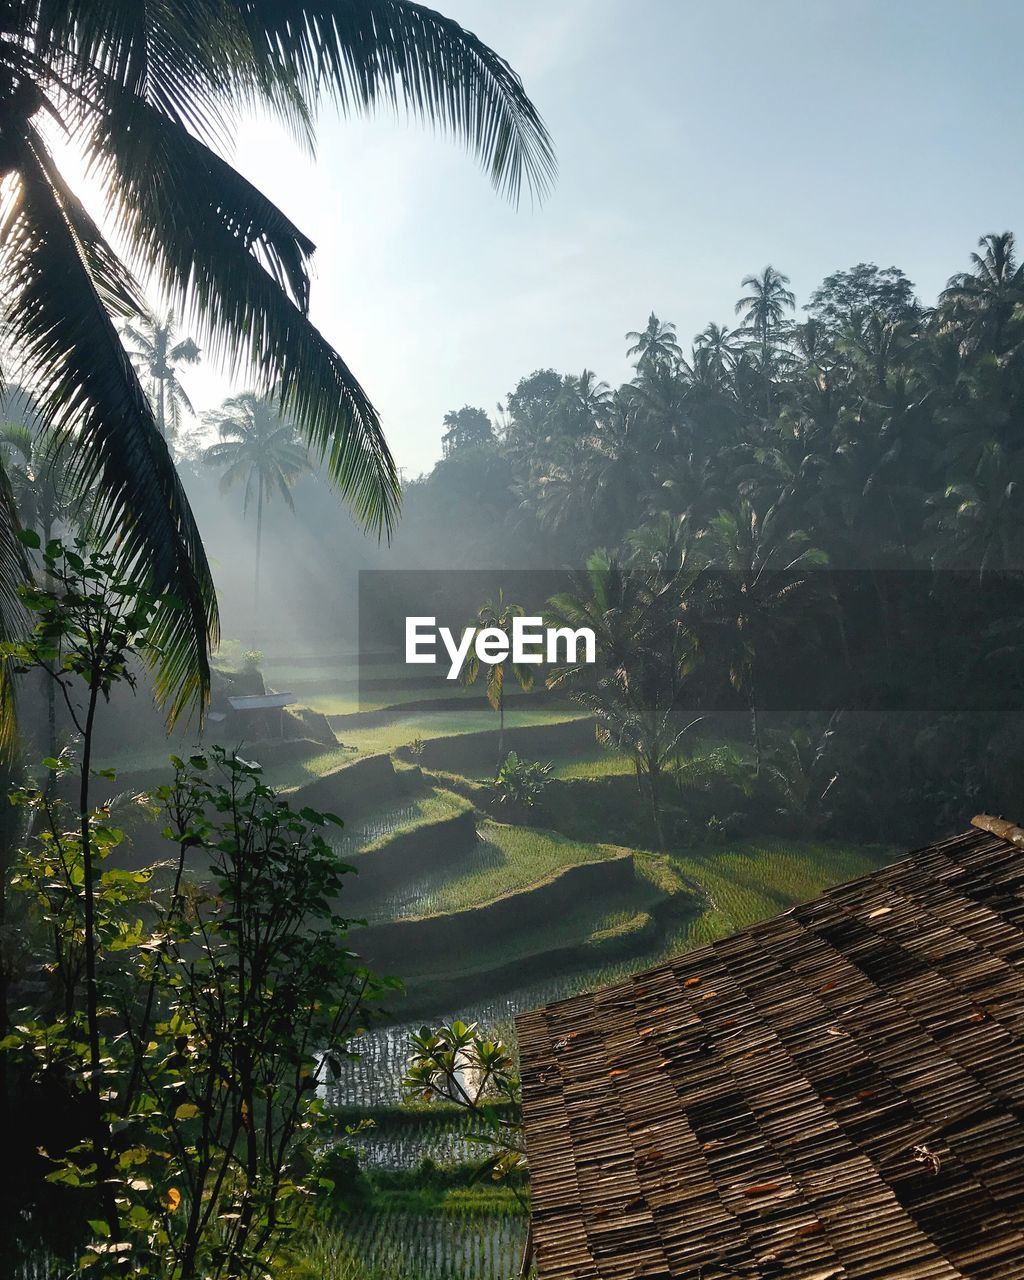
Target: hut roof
(835,1093)
(260,701)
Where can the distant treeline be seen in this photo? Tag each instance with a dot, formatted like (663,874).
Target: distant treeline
(890,433)
(876,435)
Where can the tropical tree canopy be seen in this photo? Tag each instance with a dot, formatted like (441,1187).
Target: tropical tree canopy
(259,450)
(156,350)
(887,432)
(151,93)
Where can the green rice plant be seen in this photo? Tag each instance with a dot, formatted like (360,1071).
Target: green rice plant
(402,1142)
(372,832)
(382,1245)
(506,859)
(740,884)
(754,880)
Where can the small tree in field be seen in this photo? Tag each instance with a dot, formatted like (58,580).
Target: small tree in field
(520,783)
(498,613)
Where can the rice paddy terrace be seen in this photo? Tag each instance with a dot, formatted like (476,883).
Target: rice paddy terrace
(482,917)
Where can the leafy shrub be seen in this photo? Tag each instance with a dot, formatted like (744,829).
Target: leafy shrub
(520,783)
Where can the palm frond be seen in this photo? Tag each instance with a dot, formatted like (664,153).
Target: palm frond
(144,154)
(86,389)
(181,56)
(394,53)
(186,228)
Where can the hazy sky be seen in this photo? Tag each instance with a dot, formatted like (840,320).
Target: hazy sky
(696,141)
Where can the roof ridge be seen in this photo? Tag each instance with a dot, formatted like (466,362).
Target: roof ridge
(999,827)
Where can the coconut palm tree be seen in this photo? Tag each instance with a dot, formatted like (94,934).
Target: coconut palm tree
(978,519)
(37,470)
(719,345)
(150,94)
(644,654)
(764,307)
(259,450)
(763,310)
(156,350)
(757,567)
(38,475)
(654,344)
(499,613)
(983,300)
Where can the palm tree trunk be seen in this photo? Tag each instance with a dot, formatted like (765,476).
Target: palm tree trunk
(501,728)
(755,727)
(160,421)
(259,546)
(765,348)
(654,786)
(51,689)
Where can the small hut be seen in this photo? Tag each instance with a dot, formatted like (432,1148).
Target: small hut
(257,715)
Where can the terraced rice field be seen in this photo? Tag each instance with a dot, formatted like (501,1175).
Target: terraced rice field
(504,860)
(402,729)
(404,1246)
(402,814)
(745,883)
(755,880)
(345,700)
(401,1140)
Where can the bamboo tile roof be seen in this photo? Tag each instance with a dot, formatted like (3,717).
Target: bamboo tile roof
(835,1093)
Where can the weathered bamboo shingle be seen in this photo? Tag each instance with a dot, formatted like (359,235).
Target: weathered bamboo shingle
(838,1092)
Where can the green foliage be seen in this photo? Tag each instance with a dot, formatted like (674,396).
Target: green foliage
(154,131)
(498,613)
(194,1005)
(466,428)
(89,619)
(227,996)
(457,1063)
(520,783)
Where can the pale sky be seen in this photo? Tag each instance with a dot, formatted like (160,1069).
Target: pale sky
(696,141)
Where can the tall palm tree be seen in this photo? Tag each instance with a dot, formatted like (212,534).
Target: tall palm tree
(587,399)
(156,350)
(643,655)
(617,466)
(150,94)
(654,344)
(259,450)
(499,613)
(984,299)
(38,476)
(37,469)
(763,310)
(764,307)
(978,519)
(757,568)
(719,345)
